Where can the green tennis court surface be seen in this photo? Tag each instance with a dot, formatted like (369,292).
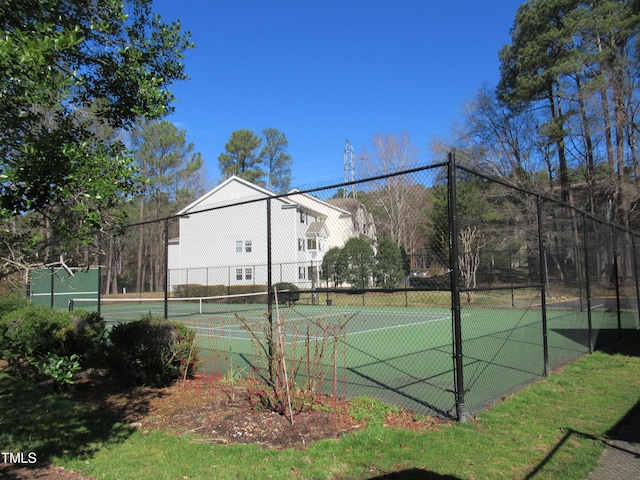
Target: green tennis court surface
(401,355)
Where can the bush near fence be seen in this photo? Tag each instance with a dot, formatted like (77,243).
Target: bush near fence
(34,339)
(30,335)
(289,292)
(151,351)
(194,290)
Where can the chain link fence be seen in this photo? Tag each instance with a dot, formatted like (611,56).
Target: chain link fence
(437,289)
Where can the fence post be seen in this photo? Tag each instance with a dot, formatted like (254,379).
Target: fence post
(455,288)
(635,270)
(98,259)
(543,292)
(98,308)
(166,268)
(616,281)
(269,294)
(53,287)
(587,281)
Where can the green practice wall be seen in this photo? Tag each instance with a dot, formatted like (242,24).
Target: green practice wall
(57,286)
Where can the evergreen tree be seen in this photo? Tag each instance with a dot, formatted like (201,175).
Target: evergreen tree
(334,265)
(389,269)
(277,160)
(170,171)
(579,62)
(241,157)
(360,261)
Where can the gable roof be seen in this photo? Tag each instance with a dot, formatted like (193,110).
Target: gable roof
(237,189)
(349,204)
(297,193)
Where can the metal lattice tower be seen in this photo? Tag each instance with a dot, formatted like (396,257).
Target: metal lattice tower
(349,171)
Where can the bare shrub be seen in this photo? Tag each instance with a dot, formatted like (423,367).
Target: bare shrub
(295,358)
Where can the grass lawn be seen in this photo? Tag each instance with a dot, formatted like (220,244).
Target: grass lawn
(553,429)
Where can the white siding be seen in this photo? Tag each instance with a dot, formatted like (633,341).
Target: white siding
(212,248)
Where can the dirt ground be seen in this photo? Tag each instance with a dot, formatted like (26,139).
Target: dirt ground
(209,412)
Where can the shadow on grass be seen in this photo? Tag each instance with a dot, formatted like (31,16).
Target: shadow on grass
(414,474)
(570,433)
(38,424)
(626,429)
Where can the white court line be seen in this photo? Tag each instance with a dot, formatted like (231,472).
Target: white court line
(561,304)
(406,324)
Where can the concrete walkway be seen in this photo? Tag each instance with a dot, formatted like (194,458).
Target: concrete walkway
(621,459)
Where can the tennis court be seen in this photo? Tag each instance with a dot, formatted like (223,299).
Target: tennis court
(401,355)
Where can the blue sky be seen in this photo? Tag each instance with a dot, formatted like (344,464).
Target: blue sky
(327,71)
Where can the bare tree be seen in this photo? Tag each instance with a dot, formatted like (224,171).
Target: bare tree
(499,139)
(397,203)
(472,241)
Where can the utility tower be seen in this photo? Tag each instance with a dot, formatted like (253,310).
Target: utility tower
(349,171)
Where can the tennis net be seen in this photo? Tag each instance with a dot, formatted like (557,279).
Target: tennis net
(134,308)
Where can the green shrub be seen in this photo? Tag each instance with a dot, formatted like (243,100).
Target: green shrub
(196,290)
(241,289)
(89,338)
(59,368)
(151,351)
(38,340)
(11,303)
(32,333)
(290,295)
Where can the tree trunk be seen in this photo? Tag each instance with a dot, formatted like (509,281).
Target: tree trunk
(563,170)
(139,265)
(620,211)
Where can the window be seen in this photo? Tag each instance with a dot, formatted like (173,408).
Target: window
(303,217)
(245,246)
(301,244)
(312,244)
(238,274)
(301,272)
(312,273)
(248,273)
